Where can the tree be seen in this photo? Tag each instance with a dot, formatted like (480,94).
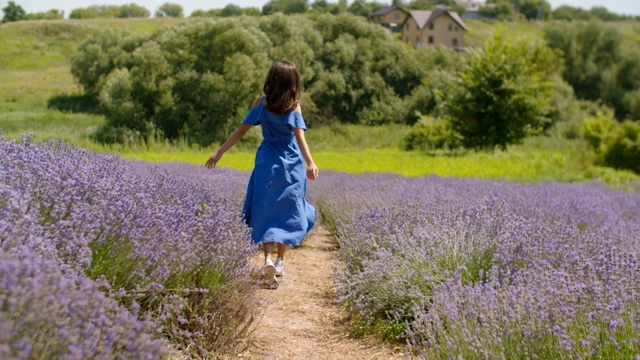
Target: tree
(598,67)
(604,14)
(251,11)
(286,7)
(503,93)
(52,14)
(497,10)
(132,10)
(533,9)
(13,12)
(170,10)
(84,13)
(566,12)
(231,10)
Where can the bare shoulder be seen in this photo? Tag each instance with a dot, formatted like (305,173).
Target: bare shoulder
(298,108)
(257,102)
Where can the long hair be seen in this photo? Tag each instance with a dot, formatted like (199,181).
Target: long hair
(282,87)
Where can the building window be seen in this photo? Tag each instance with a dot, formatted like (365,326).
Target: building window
(407,26)
(430,26)
(455,28)
(430,39)
(450,27)
(418,39)
(455,41)
(396,16)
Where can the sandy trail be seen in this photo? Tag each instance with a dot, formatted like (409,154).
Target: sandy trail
(302,319)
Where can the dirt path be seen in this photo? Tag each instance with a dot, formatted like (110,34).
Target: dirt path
(302,318)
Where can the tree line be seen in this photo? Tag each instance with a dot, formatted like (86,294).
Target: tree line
(15,12)
(195,81)
(494,9)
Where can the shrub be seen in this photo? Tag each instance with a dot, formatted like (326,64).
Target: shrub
(431,133)
(170,10)
(503,93)
(596,130)
(623,149)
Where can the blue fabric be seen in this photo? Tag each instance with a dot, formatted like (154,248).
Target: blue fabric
(275,207)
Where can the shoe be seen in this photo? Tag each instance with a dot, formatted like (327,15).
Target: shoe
(269,274)
(279,266)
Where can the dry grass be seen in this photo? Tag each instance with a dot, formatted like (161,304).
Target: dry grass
(215,325)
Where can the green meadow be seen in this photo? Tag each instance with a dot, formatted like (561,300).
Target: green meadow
(34,67)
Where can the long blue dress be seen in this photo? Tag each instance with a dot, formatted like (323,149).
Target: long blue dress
(275,207)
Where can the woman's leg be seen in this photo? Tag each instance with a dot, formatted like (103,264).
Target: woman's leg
(268,250)
(279,264)
(282,248)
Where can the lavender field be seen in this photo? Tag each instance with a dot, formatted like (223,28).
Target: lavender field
(102,258)
(106,258)
(462,268)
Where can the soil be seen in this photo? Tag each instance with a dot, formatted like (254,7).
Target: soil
(302,318)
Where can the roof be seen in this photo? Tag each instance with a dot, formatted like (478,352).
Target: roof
(386,10)
(423,17)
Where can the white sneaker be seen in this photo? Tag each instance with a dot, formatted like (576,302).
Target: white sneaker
(269,274)
(279,266)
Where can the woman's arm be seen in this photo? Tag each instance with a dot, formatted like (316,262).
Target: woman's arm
(232,140)
(312,169)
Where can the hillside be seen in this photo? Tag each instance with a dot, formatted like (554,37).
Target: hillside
(34,67)
(39,45)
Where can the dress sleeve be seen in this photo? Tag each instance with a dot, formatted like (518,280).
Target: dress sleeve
(253,116)
(294,119)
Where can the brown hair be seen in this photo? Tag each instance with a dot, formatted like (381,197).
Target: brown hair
(282,87)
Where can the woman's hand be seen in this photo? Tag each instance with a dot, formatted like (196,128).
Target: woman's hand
(213,160)
(312,172)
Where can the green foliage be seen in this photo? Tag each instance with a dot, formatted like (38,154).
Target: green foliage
(598,66)
(170,10)
(566,12)
(531,9)
(196,82)
(363,8)
(323,6)
(597,130)
(604,14)
(109,11)
(285,7)
(231,10)
(180,83)
(13,12)
(95,11)
(623,151)
(618,145)
(503,93)
(502,10)
(132,11)
(99,55)
(431,133)
(52,14)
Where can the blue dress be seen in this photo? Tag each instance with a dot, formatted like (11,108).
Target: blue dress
(275,207)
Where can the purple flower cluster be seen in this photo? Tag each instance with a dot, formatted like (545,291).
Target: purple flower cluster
(90,245)
(464,268)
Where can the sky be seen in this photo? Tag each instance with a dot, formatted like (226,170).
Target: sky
(628,7)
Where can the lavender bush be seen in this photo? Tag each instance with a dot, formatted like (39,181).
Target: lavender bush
(149,237)
(463,268)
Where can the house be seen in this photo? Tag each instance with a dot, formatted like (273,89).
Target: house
(390,17)
(429,28)
(423,28)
